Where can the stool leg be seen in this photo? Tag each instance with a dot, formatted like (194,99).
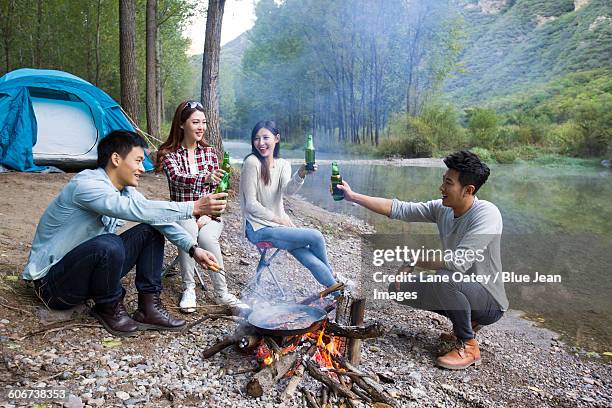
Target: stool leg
(277,283)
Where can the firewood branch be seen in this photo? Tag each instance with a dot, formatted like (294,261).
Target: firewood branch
(317,374)
(356,332)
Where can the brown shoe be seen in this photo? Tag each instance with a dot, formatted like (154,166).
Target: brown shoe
(115,318)
(451,338)
(462,356)
(152,314)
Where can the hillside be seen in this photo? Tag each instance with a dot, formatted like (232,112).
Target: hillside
(515,44)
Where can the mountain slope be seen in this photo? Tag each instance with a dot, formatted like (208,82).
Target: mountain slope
(513,45)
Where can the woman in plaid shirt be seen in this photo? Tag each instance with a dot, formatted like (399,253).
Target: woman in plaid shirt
(192,169)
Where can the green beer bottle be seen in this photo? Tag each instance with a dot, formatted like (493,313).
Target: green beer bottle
(310,154)
(336,179)
(224,184)
(227,167)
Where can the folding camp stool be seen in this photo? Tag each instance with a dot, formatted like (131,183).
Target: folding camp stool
(264,264)
(173,264)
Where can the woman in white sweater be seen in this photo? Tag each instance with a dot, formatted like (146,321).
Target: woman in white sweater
(265,178)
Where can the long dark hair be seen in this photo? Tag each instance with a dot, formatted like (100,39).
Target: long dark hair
(271,126)
(175,137)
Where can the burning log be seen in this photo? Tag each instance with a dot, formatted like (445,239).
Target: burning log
(234,339)
(343,317)
(298,374)
(356,332)
(333,385)
(247,343)
(268,376)
(311,401)
(354,344)
(221,345)
(374,390)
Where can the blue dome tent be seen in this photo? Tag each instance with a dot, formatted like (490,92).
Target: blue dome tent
(54,118)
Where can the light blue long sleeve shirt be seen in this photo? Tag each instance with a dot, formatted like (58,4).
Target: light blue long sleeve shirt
(90,205)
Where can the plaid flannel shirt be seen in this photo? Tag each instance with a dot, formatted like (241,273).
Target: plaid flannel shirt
(183,185)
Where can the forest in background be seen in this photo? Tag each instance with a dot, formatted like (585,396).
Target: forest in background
(510,79)
(82,37)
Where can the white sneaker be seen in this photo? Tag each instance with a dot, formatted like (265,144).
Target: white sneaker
(231,300)
(349,284)
(188,301)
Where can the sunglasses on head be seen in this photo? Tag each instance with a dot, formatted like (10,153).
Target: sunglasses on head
(193,105)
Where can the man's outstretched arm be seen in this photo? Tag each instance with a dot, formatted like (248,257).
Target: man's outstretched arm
(376,204)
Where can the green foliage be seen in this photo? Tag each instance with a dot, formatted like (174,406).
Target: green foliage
(508,136)
(571,115)
(483,154)
(505,156)
(340,68)
(66,38)
(437,129)
(527,44)
(482,125)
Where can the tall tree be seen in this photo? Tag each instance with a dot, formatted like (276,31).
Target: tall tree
(127,57)
(97,77)
(210,72)
(7,24)
(151,71)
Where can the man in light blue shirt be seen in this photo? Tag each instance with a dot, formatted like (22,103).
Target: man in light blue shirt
(76,254)
(466,290)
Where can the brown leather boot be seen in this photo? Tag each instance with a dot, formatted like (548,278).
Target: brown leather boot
(462,356)
(451,338)
(152,314)
(115,318)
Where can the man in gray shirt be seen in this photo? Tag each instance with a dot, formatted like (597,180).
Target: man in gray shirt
(468,287)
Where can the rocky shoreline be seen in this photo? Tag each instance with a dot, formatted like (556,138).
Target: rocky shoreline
(523,365)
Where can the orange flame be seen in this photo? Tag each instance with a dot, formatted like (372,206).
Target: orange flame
(264,355)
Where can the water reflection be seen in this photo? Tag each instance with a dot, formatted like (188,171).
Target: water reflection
(556,220)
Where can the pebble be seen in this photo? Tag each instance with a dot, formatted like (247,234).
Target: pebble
(101,373)
(73,402)
(155,392)
(122,395)
(5,321)
(184,377)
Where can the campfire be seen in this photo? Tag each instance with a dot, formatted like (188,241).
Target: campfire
(289,341)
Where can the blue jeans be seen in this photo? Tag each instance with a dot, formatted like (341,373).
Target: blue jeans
(93,269)
(305,244)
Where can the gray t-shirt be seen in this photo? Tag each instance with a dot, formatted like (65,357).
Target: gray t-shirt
(479,229)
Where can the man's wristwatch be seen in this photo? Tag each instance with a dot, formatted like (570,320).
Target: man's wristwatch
(192,250)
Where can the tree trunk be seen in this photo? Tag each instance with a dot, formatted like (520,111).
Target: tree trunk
(97,78)
(127,57)
(151,97)
(39,6)
(160,82)
(7,34)
(210,72)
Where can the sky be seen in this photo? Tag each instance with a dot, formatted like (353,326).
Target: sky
(238,17)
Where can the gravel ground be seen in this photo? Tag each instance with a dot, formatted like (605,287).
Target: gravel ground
(523,365)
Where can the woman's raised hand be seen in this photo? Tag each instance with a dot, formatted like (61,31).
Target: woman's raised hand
(215,177)
(302,172)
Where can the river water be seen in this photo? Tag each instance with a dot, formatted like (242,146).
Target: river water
(557,221)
